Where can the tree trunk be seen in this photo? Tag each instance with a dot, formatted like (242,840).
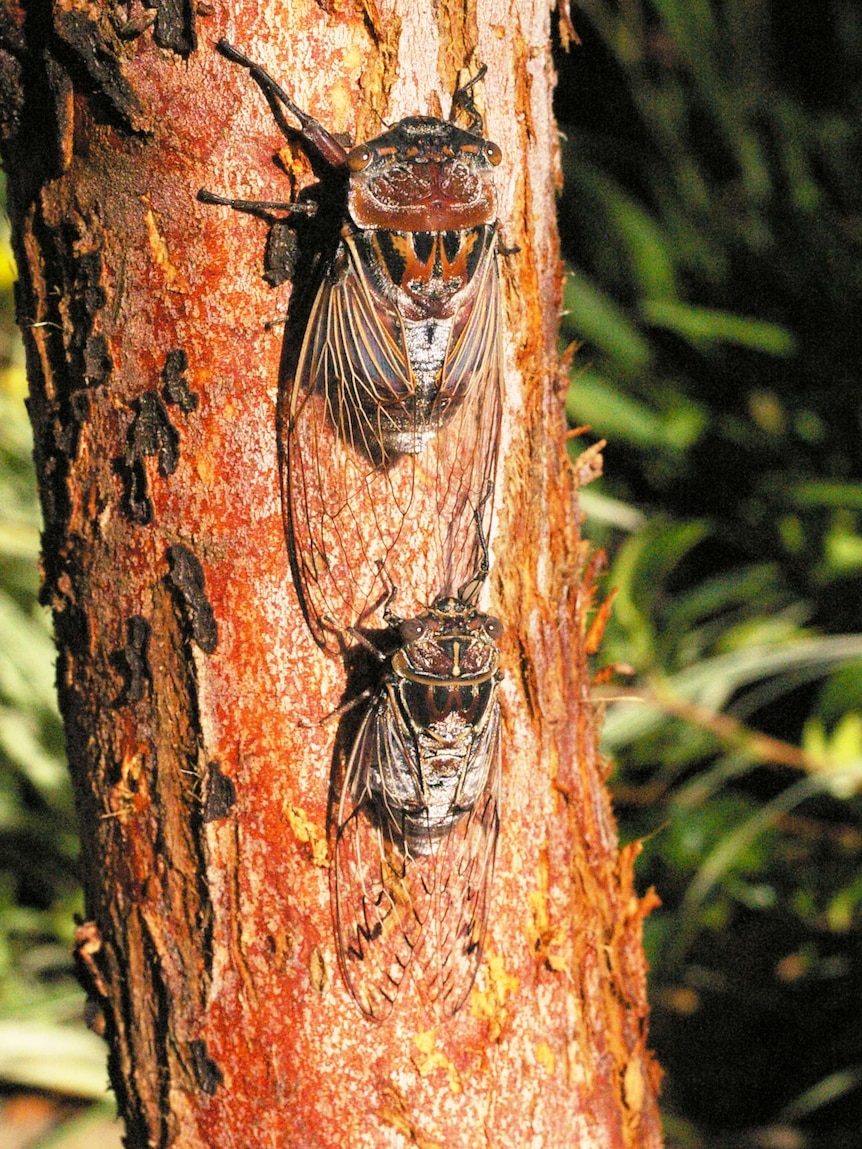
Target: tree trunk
(189,684)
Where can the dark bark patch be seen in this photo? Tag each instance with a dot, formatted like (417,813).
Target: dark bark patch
(207,1073)
(281,253)
(136,501)
(175,26)
(11,93)
(220,794)
(151,433)
(96,360)
(89,47)
(71,627)
(187,580)
(133,662)
(176,389)
(89,357)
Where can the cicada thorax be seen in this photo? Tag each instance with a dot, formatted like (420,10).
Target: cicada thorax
(418,818)
(424,174)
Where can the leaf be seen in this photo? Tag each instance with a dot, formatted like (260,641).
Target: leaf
(702,326)
(59,1058)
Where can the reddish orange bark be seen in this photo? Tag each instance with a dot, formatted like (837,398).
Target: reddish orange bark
(187,676)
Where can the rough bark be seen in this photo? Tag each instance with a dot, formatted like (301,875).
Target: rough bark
(187,677)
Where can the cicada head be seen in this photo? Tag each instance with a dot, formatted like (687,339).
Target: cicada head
(453,644)
(424,174)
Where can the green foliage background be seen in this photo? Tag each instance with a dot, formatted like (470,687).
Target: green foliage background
(711,219)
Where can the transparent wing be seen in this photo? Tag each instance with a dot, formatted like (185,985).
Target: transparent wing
(378,920)
(417,906)
(463,455)
(351,512)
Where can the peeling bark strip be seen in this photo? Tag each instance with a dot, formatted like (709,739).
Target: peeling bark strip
(203,790)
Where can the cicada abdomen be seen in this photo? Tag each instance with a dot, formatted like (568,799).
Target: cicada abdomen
(391,424)
(418,817)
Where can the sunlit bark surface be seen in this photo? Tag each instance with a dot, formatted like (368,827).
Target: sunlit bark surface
(190,686)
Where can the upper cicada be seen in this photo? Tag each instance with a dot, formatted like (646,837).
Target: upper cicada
(418,817)
(391,425)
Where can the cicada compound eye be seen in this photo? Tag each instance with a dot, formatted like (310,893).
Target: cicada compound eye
(411,629)
(493,627)
(492,153)
(360,157)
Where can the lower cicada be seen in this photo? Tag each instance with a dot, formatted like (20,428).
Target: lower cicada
(391,425)
(418,816)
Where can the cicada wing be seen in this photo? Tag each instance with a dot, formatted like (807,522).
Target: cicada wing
(449,950)
(415,902)
(344,510)
(459,466)
(379,910)
(353,511)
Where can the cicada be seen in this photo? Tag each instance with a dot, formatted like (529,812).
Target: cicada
(418,817)
(390,424)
